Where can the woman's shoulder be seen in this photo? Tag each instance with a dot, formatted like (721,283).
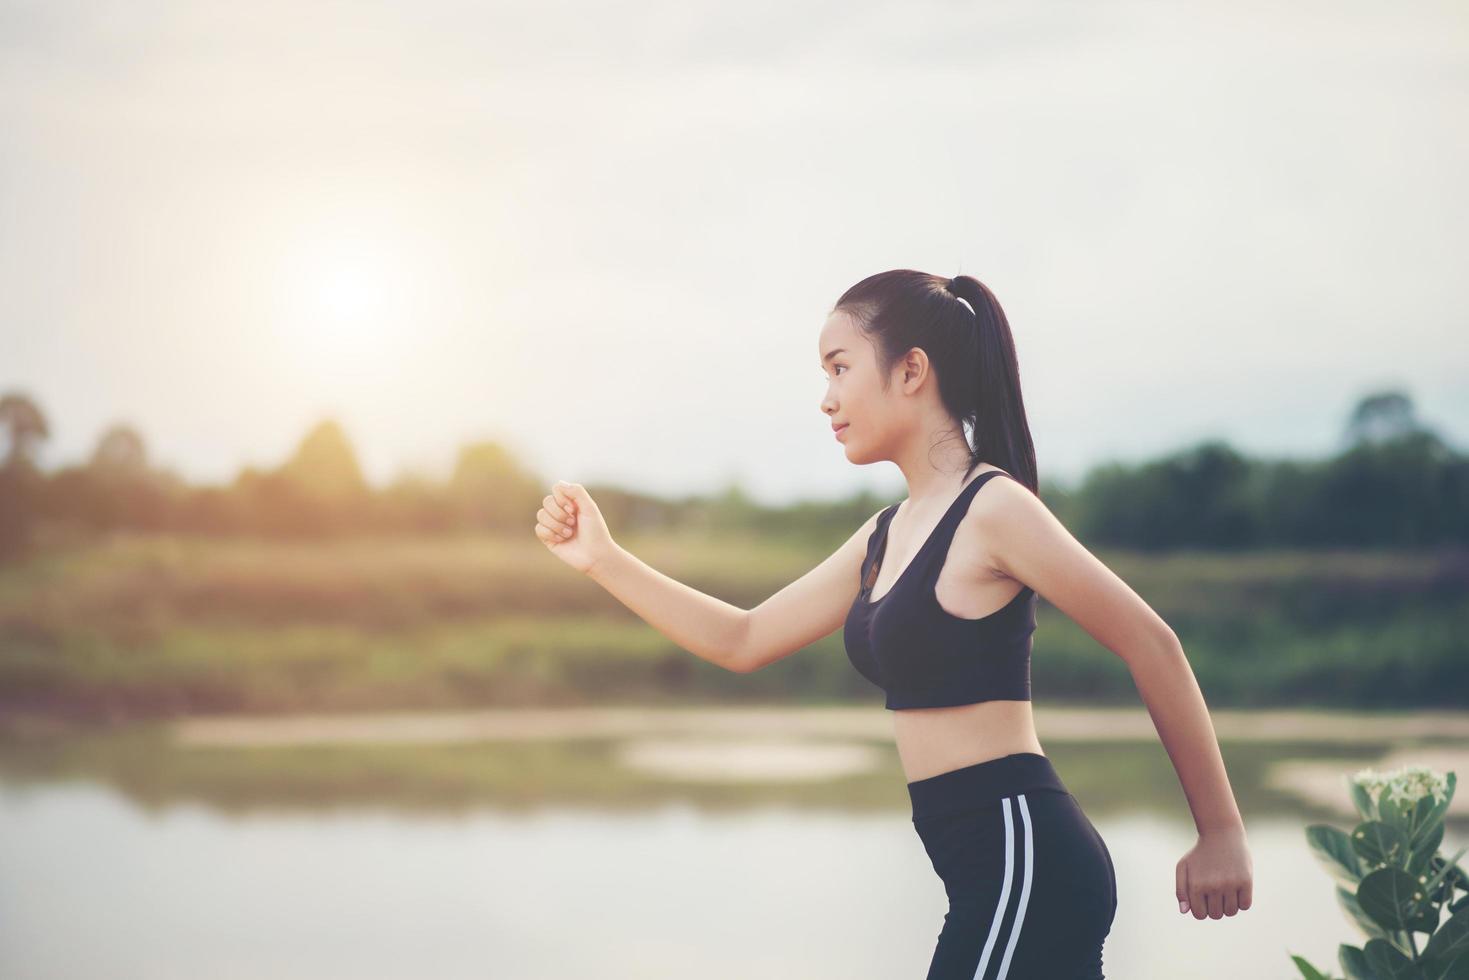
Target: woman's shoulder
(999,493)
(997,503)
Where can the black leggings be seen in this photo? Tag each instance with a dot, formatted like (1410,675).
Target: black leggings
(1032,891)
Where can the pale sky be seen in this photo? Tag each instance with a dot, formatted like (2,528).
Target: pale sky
(607,234)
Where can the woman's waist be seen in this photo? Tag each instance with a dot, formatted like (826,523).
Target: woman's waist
(932,741)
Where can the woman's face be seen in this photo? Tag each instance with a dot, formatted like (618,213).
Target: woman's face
(871,418)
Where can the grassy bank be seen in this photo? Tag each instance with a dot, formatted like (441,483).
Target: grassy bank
(156,626)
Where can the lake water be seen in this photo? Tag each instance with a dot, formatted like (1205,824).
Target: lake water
(658,847)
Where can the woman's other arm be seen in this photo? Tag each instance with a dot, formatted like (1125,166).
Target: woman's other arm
(1027,543)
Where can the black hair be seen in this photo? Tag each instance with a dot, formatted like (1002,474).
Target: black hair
(973,357)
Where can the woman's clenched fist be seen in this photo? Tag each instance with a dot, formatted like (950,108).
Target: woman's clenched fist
(571,526)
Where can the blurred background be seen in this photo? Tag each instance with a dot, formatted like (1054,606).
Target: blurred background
(303,308)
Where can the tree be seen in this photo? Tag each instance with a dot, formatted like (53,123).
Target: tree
(120,451)
(1380,417)
(26,426)
(325,465)
(489,488)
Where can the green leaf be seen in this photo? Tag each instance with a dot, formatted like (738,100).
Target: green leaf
(1427,920)
(1392,897)
(1308,971)
(1387,961)
(1396,815)
(1433,883)
(1454,968)
(1423,847)
(1380,843)
(1363,801)
(1462,879)
(1421,818)
(1442,807)
(1365,922)
(1450,943)
(1354,963)
(1333,848)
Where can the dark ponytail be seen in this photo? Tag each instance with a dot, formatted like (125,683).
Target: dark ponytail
(972,353)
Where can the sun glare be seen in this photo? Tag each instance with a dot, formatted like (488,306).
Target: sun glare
(358,290)
(351,293)
(347,297)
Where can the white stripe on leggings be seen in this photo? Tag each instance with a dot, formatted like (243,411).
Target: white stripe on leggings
(1024,890)
(999,916)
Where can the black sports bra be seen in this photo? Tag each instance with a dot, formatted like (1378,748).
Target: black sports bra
(922,655)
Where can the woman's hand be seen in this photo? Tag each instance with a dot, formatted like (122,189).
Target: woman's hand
(1216,876)
(570,524)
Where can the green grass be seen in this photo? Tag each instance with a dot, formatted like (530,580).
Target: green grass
(153,626)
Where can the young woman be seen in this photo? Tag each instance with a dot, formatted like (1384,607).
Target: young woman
(936,598)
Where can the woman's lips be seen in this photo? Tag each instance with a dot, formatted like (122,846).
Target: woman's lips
(839,431)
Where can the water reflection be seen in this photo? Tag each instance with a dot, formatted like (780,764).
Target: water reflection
(131,854)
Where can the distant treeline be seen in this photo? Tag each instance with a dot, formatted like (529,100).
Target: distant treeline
(1392,483)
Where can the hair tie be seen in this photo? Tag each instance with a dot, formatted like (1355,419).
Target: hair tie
(950,287)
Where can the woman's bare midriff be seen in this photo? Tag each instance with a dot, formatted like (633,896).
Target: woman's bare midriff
(935,740)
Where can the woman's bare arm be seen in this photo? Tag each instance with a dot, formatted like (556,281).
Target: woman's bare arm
(1028,543)
(724,634)
(740,640)
(707,627)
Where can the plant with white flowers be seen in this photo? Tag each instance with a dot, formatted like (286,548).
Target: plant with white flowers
(1392,881)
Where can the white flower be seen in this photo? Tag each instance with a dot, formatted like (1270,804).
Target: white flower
(1406,785)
